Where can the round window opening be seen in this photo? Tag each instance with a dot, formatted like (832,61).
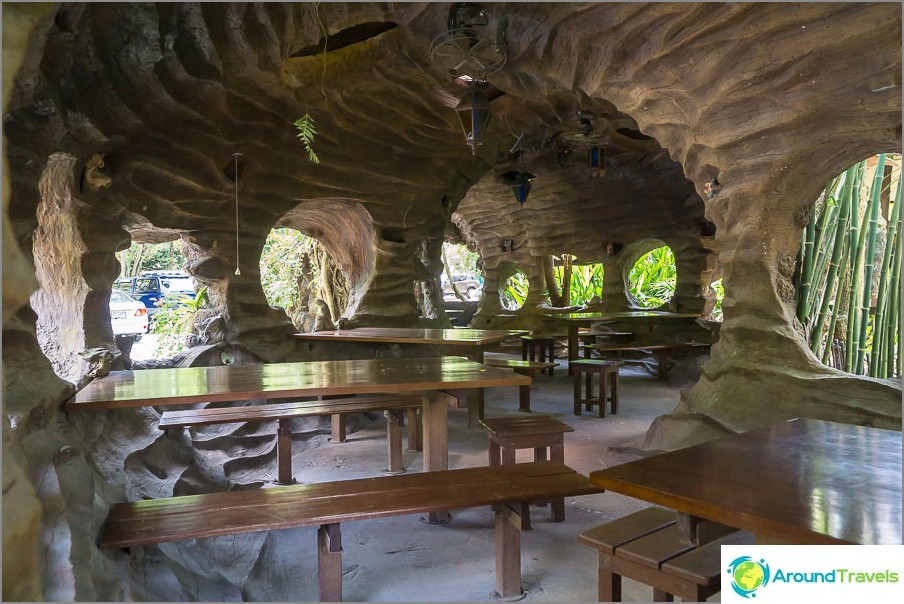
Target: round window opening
(651,281)
(514,291)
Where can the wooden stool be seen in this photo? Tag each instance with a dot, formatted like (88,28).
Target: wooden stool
(607,371)
(532,345)
(537,432)
(648,546)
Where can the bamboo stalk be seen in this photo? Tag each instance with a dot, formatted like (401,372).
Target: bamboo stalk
(894,336)
(838,243)
(807,267)
(856,258)
(881,325)
(869,266)
(826,352)
(825,240)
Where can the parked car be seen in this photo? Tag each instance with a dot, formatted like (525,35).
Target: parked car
(128,316)
(151,288)
(466,286)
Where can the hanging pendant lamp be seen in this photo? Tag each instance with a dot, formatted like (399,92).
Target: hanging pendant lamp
(474,115)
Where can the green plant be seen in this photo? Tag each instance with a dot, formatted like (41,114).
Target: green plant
(173,321)
(142,257)
(652,279)
(514,292)
(720,295)
(586,282)
(307,132)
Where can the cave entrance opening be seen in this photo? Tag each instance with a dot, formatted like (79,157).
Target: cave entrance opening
(847,277)
(300,276)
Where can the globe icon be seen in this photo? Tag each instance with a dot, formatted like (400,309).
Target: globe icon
(748,575)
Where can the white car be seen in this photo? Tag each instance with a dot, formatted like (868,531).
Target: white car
(128,316)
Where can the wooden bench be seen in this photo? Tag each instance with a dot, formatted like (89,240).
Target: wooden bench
(648,546)
(660,351)
(528,368)
(391,405)
(328,504)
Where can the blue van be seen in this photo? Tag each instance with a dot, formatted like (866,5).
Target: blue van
(151,288)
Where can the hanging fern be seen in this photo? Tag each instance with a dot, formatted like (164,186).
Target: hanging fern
(306,132)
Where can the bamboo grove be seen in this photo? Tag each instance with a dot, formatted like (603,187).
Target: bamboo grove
(848,272)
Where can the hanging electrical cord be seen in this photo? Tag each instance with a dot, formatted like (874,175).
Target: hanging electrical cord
(237,156)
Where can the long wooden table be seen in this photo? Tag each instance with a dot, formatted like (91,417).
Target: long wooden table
(469,343)
(802,482)
(576,320)
(186,386)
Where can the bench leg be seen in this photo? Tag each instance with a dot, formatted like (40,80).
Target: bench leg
(524,399)
(508,552)
(329,563)
(663,358)
(284,453)
(523,350)
(338,428)
(577,391)
(610,583)
(415,431)
(603,379)
(557,505)
(394,441)
(475,407)
(572,347)
(552,358)
(613,379)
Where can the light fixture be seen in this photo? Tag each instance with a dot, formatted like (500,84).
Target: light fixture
(596,161)
(237,156)
(519,182)
(474,114)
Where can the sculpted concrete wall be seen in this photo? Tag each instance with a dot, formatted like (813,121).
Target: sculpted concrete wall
(767,100)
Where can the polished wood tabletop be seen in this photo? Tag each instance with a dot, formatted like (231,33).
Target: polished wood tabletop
(184,386)
(803,482)
(405,335)
(591,317)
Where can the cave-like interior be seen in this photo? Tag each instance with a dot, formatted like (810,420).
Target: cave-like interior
(716,128)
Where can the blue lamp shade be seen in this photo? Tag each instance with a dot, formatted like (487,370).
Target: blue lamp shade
(474,114)
(519,182)
(596,161)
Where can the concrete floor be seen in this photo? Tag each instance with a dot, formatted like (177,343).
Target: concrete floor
(400,559)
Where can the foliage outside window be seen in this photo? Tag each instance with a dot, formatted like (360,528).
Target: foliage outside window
(848,272)
(716,314)
(174,321)
(514,291)
(652,280)
(296,271)
(586,282)
(147,257)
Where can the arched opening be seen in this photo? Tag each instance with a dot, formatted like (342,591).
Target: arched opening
(514,291)
(719,289)
(299,275)
(652,278)
(848,272)
(462,278)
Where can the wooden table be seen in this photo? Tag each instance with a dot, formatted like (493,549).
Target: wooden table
(576,320)
(802,482)
(470,343)
(186,386)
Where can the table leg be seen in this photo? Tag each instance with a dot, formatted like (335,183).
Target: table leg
(329,563)
(603,379)
(663,358)
(508,552)
(557,505)
(610,584)
(394,441)
(475,396)
(415,431)
(524,398)
(436,441)
(572,346)
(337,432)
